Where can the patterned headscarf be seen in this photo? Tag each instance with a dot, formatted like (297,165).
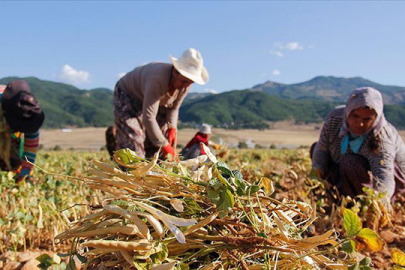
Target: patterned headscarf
(365,97)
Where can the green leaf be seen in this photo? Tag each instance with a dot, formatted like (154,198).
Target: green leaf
(213,194)
(349,246)
(142,265)
(253,189)
(192,207)
(122,155)
(371,239)
(215,184)
(223,167)
(351,223)
(81,258)
(71,264)
(182,266)
(221,178)
(237,174)
(183,170)
(353,267)
(226,202)
(242,185)
(160,256)
(45,261)
(366,261)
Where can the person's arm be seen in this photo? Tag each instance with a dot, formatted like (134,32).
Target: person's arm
(31,145)
(382,166)
(321,154)
(150,110)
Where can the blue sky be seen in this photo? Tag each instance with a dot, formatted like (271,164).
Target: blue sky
(88,44)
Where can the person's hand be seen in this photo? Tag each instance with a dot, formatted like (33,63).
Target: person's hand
(172,137)
(169,152)
(24,174)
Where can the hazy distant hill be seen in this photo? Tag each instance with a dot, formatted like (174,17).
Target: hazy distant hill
(65,105)
(330,88)
(196,95)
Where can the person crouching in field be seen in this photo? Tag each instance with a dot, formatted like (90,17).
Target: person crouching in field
(357,139)
(194,148)
(147,102)
(20,120)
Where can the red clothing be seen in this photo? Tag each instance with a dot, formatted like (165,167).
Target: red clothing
(199,138)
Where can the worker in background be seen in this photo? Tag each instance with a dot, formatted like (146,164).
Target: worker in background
(20,119)
(194,148)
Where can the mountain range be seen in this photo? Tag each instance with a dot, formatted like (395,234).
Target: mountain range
(310,101)
(330,89)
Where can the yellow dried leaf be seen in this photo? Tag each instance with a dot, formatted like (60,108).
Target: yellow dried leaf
(398,257)
(209,154)
(268,185)
(370,239)
(145,169)
(201,224)
(319,238)
(177,205)
(283,231)
(165,266)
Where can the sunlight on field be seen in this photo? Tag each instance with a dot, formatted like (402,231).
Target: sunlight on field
(94,138)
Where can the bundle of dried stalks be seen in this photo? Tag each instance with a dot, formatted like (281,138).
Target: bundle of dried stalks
(194,214)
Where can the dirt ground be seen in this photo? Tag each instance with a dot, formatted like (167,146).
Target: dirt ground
(281,135)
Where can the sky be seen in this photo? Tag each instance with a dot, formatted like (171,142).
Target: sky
(91,44)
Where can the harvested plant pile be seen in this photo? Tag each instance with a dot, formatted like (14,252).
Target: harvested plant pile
(194,214)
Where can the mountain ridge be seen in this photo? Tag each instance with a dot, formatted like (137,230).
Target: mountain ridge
(66,105)
(330,88)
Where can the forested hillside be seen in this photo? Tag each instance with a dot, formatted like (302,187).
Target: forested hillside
(66,105)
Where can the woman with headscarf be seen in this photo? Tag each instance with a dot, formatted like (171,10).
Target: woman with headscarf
(356,140)
(20,119)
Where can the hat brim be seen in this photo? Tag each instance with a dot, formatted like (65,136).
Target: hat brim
(200,79)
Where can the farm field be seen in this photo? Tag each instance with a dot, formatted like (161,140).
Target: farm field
(283,135)
(32,215)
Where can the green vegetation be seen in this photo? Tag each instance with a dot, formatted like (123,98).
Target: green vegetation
(65,105)
(247,109)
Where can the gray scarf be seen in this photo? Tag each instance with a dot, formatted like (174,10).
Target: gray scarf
(365,97)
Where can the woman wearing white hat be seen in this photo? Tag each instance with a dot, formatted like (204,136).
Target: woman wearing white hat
(147,102)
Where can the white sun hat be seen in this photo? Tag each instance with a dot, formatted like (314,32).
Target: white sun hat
(190,65)
(205,129)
